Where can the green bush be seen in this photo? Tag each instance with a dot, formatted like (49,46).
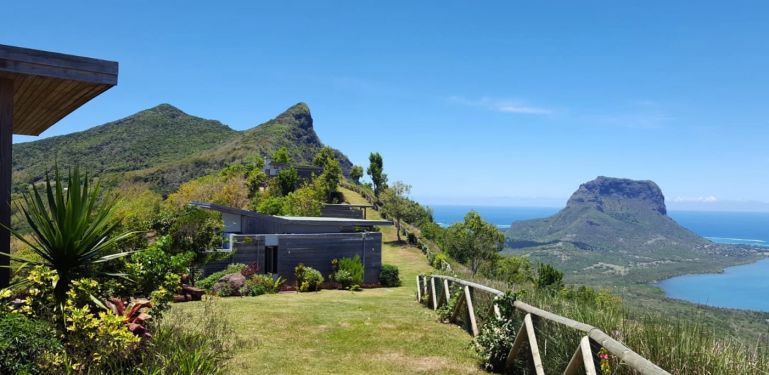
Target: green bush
(438,259)
(389,276)
(496,337)
(150,268)
(344,278)
(412,238)
(210,280)
(186,342)
(354,266)
(308,279)
(26,346)
(259,284)
(548,277)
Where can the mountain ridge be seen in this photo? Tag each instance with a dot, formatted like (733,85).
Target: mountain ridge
(164,147)
(616,226)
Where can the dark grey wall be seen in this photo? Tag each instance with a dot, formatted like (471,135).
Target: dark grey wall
(314,250)
(341,211)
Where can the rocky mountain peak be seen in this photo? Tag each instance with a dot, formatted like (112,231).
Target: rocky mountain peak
(609,194)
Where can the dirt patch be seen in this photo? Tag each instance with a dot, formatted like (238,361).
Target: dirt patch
(427,364)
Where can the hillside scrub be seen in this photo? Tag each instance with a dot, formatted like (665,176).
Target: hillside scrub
(681,344)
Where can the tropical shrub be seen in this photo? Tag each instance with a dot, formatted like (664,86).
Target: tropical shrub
(438,260)
(73,228)
(260,284)
(308,279)
(344,278)
(27,346)
(186,342)
(389,276)
(548,277)
(155,267)
(209,281)
(354,266)
(497,335)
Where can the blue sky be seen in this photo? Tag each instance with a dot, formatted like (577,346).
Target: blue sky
(494,102)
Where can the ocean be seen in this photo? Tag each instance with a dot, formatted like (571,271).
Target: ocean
(742,287)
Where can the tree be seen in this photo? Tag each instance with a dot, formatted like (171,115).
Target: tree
(376,172)
(281,156)
(73,228)
(396,205)
(548,277)
(332,172)
(323,156)
(287,181)
(473,241)
(356,172)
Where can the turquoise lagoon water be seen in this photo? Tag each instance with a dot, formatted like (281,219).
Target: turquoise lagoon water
(742,287)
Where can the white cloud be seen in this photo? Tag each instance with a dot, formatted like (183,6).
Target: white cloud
(505,105)
(701,199)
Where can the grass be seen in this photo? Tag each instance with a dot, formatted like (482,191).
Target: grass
(382,331)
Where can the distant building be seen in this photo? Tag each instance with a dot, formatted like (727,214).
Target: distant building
(305,172)
(277,244)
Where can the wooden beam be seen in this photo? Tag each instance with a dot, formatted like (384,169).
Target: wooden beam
(6,156)
(24,61)
(587,356)
(532,338)
(471,311)
(520,338)
(419,288)
(446,291)
(432,293)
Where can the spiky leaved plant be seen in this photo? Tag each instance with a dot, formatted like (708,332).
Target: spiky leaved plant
(72,228)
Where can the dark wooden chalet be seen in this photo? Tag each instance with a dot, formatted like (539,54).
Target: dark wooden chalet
(277,244)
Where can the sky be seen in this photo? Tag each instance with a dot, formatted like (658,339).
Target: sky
(493,102)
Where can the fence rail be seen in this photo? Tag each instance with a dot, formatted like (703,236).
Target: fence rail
(437,291)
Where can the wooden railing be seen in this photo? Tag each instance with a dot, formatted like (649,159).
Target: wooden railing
(584,357)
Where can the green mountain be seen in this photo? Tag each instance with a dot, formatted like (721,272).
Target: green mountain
(165,147)
(613,226)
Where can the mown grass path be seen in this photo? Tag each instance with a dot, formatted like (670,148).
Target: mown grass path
(376,331)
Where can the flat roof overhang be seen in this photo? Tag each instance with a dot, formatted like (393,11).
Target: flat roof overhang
(37,89)
(306,220)
(48,86)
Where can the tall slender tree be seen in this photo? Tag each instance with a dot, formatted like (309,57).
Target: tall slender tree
(376,172)
(396,205)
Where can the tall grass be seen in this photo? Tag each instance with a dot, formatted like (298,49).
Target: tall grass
(678,344)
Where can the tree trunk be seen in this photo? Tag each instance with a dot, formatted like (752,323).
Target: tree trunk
(398,229)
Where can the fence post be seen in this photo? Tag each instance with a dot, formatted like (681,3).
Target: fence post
(471,311)
(432,291)
(419,288)
(446,291)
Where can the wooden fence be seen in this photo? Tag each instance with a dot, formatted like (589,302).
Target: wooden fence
(436,291)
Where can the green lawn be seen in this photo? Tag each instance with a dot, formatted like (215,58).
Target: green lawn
(382,331)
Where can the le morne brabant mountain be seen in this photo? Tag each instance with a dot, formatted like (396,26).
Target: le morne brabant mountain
(165,147)
(613,226)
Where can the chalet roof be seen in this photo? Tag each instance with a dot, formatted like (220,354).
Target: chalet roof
(308,220)
(49,86)
(349,205)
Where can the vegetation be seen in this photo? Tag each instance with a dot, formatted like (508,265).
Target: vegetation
(473,241)
(356,173)
(308,279)
(379,331)
(72,230)
(376,172)
(389,276)
(27,346)
(163,148)
(349,271)
(258,284)
(395,204)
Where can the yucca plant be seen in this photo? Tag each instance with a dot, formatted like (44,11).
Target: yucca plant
(72,228)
